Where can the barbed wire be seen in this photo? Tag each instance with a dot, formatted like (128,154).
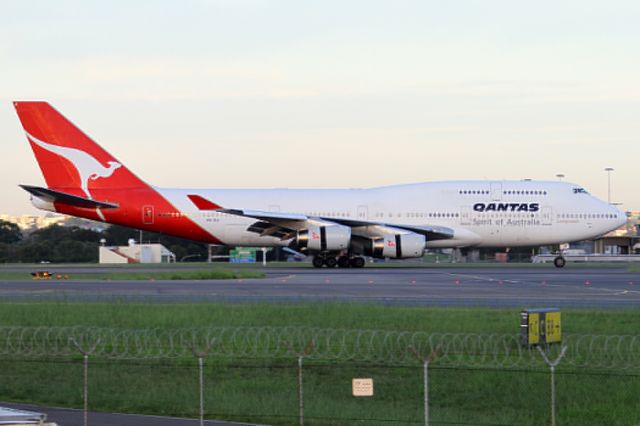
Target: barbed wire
(344,345)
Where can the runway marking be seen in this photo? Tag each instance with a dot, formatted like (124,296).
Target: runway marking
(582,287)
(486,279)
(626,292)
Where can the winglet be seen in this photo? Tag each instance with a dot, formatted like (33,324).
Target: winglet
(202,203)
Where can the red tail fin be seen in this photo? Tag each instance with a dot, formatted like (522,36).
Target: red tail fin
(68,158)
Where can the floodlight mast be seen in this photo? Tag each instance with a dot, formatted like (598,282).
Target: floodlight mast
(609,170)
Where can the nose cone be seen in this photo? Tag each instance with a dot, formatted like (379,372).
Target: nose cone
(615,218)
(622,218)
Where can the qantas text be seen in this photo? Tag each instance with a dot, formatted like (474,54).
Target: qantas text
(506,207)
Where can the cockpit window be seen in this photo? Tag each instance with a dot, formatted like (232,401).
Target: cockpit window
(579,191)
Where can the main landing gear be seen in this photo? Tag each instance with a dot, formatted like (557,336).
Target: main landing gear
(331,261)
(559,262)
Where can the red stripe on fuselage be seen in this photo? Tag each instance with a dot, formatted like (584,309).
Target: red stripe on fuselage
(141,209)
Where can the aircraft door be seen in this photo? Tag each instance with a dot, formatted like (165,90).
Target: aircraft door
(547,215)
(147,215)
(465,217)
(496,191)
(363,212)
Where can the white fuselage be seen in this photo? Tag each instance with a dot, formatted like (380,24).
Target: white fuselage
(481,213)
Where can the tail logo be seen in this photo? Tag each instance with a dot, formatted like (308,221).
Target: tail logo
(88,167)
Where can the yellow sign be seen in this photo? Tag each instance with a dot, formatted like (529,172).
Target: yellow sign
(540,326)
(362,387)
(553,329)
(534,328)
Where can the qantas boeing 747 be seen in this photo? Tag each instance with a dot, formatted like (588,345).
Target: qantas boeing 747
(336,226)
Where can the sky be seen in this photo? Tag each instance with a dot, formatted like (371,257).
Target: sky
(260,94)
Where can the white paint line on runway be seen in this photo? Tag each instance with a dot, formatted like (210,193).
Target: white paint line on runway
(484,279)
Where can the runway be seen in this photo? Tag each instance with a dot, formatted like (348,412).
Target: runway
(447,286)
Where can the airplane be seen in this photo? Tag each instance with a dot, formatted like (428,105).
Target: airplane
(337,226)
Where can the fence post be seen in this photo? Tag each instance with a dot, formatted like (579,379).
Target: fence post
(201,354)
(426,391)
(201,384)
(300,392)
(85,353)
(552,367)
(425,375)
(300,355)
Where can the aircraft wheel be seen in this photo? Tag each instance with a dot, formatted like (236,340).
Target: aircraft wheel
(343,262)
(318,261)
(331,262)
(357,262)
(559,262)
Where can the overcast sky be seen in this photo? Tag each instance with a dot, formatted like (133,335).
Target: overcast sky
(274,93)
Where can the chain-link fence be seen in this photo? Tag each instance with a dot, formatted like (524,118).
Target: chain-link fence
(295,375)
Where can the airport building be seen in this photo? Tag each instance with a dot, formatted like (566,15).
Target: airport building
(136,253)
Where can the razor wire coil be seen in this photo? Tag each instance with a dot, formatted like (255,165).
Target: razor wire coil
(322,344)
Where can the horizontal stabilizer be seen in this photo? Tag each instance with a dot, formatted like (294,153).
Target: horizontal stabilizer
(62,197)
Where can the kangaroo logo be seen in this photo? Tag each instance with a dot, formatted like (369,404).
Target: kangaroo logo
(87,166)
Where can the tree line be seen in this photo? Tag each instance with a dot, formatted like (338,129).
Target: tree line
(58,244)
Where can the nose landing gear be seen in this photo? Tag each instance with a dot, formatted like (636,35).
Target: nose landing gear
(559,262)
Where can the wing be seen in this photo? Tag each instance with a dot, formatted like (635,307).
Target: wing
(285,225)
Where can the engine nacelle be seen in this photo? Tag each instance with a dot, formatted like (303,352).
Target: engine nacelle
(323,238)
(398,246)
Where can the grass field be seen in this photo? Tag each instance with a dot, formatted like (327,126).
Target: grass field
(267,393)
(212,273)
(634,268)
(324,315)
(264,390)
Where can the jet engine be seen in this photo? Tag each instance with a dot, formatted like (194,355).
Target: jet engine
(324,238)
(397,246)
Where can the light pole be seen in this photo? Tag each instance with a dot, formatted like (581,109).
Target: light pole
(609,170)
(560,176)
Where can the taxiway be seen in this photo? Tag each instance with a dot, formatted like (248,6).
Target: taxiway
(490,287)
